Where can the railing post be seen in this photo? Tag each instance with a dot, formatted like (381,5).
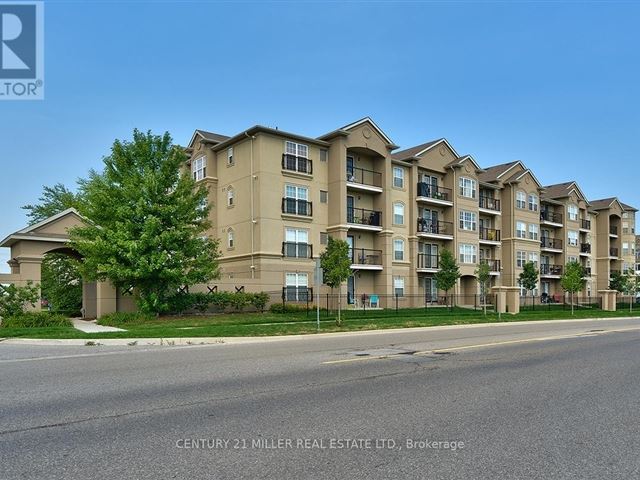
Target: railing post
(283,299)
(396,302)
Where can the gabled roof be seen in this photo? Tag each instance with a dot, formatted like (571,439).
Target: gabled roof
(516,177)
(209,137)
(563,190)
(460,160)
(343,130)
(628,207)
(271,131)
(421,149)
(31,233)
(495,172)
(49,220)
(605,203)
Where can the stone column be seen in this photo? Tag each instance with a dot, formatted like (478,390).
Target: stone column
(501,299)
(608,300)
(106,298)
(507,299)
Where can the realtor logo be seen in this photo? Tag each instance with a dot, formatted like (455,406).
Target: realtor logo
(21,51)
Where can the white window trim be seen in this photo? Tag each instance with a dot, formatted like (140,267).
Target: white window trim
(464,188)
(521,203)
(400,177)
(468,253)
(471,221)
(396,250)
(401,205)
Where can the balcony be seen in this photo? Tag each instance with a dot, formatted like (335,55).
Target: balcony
(366,259)
(428,262)
(434,229)
(494,265)
(587,271)
(297,250)
(363,219)
(554,244)
(293,163)
(365,180)
(294,206)
(613,252)
(434,194)
(489,235)
(489,205)
(547,270)
(613,230)
(551,218)
(585,248)
(585,224)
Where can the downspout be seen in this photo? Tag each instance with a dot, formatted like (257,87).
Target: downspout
(253,219)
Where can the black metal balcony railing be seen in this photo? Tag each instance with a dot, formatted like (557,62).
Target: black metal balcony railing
(490,234)
(297,294)
(428,260)
(585,248)
(296,164)
(613,230)
(546,269)
(433,191)
(613,252)
(437,228)
(548,216)
(585,224)
(366,256)
(364,176)
(489,203)
(363,216)
(555,243)
(294,206)
(297,250)
(494,265)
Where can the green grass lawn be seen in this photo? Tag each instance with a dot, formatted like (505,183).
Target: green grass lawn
(261,324)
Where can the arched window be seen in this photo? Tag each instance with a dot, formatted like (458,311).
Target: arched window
(230,238)
(398,213)
(533,202)
(398,249)
(521,199)
(230,197)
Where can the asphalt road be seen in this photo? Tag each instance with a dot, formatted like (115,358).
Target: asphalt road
(541,400)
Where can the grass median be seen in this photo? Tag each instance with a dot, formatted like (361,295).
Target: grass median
(298,323)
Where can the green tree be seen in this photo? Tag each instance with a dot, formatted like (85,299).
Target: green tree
(449,272)
(573,279)
(528,278)
(14,299)
(483,272)
(61,283)
(53,200)
(146,223)
(335,262)
(631,287)
(617,282)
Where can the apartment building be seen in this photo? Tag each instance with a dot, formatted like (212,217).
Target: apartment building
(628,238)
(277,196)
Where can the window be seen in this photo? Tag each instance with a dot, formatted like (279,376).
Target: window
(324,195)
(398,249)
(572,258)
(467,187)
(468,253)
(324,238)
(533,202)
(398,177)
(521,230)
(467,220)
(625,227)
(573,237)
(296,149)
(296,243)
(324,155)
(398,214)
(296,200)
(230,238)
(296,287)
(533,231)
(398,286)
(521,199)
(230,197)
(625,215)
(625,248)
(199,168)
(533,257)
(230,156)
(572,213)
(521,258)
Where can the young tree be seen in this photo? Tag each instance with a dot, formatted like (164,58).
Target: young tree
(483,272)
(632,286)
(449,272)
(146,223)
(529,277)
(573,279)
(335,262)
(617,282)
(14,300)
(61,283)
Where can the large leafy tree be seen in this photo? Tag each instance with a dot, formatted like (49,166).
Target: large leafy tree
(146,223)
(449,272)
(573,280)
(618,282)
(61,283)
(335,262)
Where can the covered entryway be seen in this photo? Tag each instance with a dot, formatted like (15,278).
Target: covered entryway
(30,245)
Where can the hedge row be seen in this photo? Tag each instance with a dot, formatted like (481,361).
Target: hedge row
(36,320)
(220,301)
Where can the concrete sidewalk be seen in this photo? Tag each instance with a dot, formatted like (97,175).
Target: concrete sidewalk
(92,327)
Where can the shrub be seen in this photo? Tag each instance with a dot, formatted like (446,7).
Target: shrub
(200,302)
(288,308)
(220,301)
(259,300)
(124,318)
(13,300)
(36,320)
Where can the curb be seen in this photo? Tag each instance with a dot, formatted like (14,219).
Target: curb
(196,341)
